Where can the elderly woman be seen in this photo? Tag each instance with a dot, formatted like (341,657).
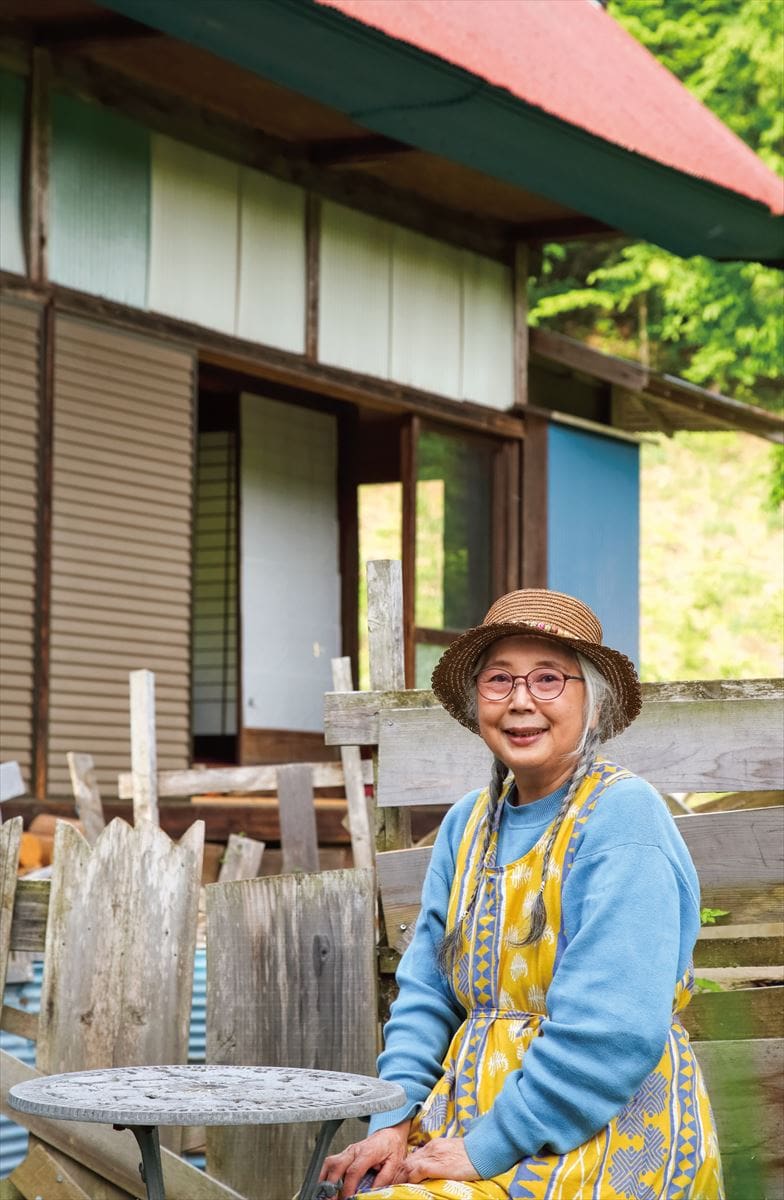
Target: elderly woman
(536,1032)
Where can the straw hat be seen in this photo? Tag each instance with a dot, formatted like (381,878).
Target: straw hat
(534,612)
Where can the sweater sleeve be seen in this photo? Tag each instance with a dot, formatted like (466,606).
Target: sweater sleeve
(631,915)
(426,1015)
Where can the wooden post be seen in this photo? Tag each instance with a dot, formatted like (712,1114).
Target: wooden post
(290,981)
(312,271)
(242,859)
(387,674)
(144,764)
(297,815)
(521,324)
(87,797)
(359,819)
(10,841)
(36,188)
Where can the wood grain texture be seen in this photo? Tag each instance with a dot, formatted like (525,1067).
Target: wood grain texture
(298,837)
(699,745)
(30,911)
(119,948)
(362,847)
(235,780)
(10,841)
(144,754)
(385,625)
(354,717)
(87,796)
(112,1155)
(290,982)
(736,1015)
(745,1081)
(19,1022)
(40,1175)
(241,859)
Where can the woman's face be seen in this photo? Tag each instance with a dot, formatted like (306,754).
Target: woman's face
(533,737)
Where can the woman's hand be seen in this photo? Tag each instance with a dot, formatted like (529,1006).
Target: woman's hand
(443,1158)
(384,1151)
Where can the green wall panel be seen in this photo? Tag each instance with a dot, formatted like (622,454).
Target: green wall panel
(100,202)
(12,99)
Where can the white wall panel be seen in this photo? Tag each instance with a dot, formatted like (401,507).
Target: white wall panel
(194,229)
(488,332)
(426,313)
(354,305)
(290,582)
(271,305)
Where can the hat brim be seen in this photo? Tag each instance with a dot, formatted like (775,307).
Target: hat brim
(452,678)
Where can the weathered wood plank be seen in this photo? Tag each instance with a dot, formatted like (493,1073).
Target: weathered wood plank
(734,853)
(740,945)
(352,718)
(95,1187)
(703,745)
(19,1022)
(241,860)
(110,1154)
(119,952)
(290,982)
(39,1175)
(386,610)
(144,756)
(745,1081)
(754,1012)
(362,847)
(235,780)
(298,837)
(10,841)
(31,909)
(87,796)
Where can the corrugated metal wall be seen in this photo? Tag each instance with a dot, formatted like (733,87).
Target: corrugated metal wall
(215,586)
(593,521)
(19,373)
(290,584)
(121,545)
(12,99)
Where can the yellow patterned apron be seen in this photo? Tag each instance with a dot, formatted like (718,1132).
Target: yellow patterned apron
(661,1146)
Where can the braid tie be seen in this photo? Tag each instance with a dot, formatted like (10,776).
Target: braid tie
(538,910)
(447,951)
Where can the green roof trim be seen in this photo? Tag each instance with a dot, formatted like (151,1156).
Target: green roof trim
(406,94)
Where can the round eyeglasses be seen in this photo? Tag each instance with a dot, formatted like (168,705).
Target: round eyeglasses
(544,683)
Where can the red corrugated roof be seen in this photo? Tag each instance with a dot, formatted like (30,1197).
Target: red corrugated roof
(571,59)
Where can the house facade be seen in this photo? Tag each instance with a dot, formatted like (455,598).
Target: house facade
(233,313)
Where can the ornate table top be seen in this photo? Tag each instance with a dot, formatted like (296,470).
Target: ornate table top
(205,1095)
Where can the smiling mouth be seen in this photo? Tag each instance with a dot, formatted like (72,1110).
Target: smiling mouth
(524,735)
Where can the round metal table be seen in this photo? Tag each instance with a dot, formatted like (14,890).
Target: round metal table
(143,1098)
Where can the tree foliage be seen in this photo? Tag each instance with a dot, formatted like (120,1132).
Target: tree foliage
(717,324)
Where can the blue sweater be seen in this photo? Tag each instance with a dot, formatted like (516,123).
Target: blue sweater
(631,916)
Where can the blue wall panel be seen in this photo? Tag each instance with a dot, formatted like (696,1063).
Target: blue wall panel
(100,198)
(12,99)
(593,541)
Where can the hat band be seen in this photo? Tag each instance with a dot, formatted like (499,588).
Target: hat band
(548,627)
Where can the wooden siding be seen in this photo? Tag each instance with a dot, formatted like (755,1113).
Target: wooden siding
(215,586)
(12,98)
(271,294)
(100,201)
(401,306)
(121,546)
(19,387)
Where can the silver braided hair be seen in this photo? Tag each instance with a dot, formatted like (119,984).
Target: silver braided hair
(599,718)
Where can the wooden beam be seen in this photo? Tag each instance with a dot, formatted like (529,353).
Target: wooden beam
(43,580)
(408,461)
(233,781)
(312,274)
(733,414)
(87,797)
(162,111)
(358,812)
(520,284)
(270,363)
(387,670)
(533,510)
(556,347)
(35,187)
(373,147)
(144,757)
(74,34)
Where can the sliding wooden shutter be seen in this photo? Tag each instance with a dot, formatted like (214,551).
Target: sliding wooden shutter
(19,391)
(121,545)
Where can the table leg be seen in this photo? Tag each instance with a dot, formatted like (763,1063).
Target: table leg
(151,1170)
(325,1136)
